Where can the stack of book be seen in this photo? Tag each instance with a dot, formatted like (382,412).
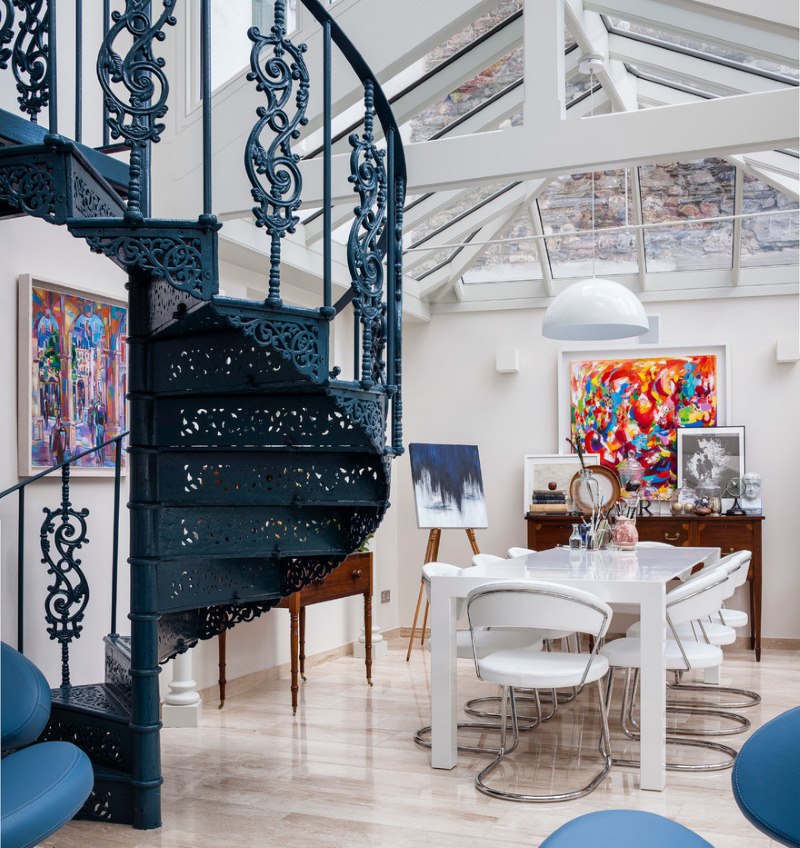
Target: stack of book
(545,501)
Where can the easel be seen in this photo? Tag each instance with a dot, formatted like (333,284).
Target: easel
(431,555)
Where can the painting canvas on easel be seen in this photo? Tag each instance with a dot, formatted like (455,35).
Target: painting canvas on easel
(448,486)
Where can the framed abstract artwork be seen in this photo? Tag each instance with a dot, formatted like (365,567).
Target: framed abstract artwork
(634,399)
(448,486)
(72,376)
(712,456)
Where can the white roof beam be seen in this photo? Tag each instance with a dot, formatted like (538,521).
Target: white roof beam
(541,246)
(544,62)
(738,206)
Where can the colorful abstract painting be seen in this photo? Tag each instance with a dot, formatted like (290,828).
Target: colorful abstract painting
(623,405)
(77,365)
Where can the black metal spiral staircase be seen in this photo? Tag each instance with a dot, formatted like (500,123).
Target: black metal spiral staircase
(254,469)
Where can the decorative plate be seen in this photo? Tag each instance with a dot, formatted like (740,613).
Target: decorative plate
(608,485)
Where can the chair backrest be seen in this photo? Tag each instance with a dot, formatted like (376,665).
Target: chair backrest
(733,565)
(517,552)
(739,577)
(486,559)
(537,605)
(699,597)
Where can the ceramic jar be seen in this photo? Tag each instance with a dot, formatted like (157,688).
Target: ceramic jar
(624,534)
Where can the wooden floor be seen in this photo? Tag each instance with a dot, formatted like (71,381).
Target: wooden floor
(345,771)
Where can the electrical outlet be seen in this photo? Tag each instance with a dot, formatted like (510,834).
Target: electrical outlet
(386,596)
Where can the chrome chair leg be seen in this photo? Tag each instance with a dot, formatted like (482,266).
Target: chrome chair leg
(751,699)
(604,747)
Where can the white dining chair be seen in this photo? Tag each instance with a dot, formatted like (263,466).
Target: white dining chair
(542,605)
(699,597)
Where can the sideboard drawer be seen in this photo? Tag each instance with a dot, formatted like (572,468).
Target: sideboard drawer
(673,531)
(728,536)
(352,577)
(551,533)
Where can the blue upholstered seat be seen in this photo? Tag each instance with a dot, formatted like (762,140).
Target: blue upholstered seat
(766,776)
(624,829)
(43,787)
(26,700)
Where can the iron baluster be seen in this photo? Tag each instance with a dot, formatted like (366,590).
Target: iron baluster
(106,19)
(78,69)
(115,537)
(21,571)
(205,64)
(31,58)
(135,110)
(273,171)
(397,306)
(6,31)
(327,156)
(364,255)
(68,595)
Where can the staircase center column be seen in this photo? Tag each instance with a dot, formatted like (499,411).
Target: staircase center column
(182,704)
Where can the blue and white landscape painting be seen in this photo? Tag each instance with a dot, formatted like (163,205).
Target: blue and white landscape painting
(448,486)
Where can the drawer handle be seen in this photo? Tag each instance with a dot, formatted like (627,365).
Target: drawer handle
(356,574)
(672,537)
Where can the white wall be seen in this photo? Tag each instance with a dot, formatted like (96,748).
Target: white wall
(453,394)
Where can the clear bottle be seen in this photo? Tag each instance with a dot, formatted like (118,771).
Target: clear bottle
(575,538)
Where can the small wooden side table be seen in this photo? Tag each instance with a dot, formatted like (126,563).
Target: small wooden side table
(352,577)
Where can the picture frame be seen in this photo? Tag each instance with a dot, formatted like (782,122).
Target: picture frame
(539,469)
(654,443)
(711,456)
(72,376)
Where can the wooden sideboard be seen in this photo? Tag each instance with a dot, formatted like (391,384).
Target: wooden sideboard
(727,532)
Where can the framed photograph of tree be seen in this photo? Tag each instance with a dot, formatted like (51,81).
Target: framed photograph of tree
(72,376)
(710,456)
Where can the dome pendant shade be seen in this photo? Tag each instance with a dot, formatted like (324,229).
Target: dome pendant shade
(595,310)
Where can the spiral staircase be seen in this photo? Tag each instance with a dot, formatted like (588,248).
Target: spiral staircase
(254,469)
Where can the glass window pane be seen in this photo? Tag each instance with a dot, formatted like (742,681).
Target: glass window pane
(509,262)
(433,260)
(768,239)
(719,51)
(566,210)
(670,78)
(681,192)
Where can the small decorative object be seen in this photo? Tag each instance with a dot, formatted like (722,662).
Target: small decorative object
(552,485)
(715,505)
(540,470)
(751,500)
(710,456)
(684,499)
(624,533)
(631,474)
(702,508)
(735,489)
(575,540)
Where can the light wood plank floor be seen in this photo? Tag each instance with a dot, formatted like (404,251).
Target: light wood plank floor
(345,771)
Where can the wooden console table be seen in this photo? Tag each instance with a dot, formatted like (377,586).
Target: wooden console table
(352,577)
(727,532)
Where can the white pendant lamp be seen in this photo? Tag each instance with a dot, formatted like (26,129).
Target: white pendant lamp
(595,309)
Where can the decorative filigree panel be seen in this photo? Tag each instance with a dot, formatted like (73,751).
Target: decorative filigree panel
(30,59)
(214,620)
(6,31)
(30,188)
(166,303)
(277,67)
(397,399)
(88,201)
(97,806)
(368,412)
(298,343)
(95,697)
(118,675)
(100,743)
(299,572)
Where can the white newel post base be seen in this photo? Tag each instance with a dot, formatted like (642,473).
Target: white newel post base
(380,647)
(182,704)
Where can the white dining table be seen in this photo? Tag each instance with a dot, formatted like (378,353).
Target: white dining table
(631,577)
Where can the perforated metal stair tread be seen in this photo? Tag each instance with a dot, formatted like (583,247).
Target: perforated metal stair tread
(94,698)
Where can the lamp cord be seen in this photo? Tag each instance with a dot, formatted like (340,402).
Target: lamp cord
(594,233)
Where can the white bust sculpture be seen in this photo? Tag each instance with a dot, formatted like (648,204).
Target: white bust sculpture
(751,500)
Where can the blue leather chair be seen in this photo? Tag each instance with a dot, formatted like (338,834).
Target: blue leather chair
(765,778)
(624,829)
(44,784)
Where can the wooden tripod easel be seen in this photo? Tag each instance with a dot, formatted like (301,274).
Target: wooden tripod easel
(431,555)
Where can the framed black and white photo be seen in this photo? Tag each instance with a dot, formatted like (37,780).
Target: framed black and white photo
(710,456)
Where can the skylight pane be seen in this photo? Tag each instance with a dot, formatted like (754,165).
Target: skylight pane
(509,262)
(682,192)
(674,80)
(465,202)
(566,210)
(772,239)
(432,261)
(466,97)
(676,40)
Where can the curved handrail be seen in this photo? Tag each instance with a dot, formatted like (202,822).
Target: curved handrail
(382,107)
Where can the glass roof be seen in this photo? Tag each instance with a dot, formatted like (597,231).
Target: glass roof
(768,240)
(511,260)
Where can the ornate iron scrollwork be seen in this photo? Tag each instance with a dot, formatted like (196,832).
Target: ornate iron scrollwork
(6,31)
(31,188)
(140,73)
(68,595)
(30,59)
(301,571)
(214,620)
(273,171)
(368,413)
(397,400)
(364,255)
(297,343)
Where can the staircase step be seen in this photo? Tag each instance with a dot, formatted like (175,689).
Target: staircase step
(111,798)
(118,666)
(54,182)
(16,130)
(93,719)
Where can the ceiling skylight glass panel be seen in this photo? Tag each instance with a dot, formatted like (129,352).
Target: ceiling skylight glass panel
(768,239)
(433,260)
(466,97)
(509,261)
(676,40)
(566,211)
(462,204)
(689,84)
(682,192)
